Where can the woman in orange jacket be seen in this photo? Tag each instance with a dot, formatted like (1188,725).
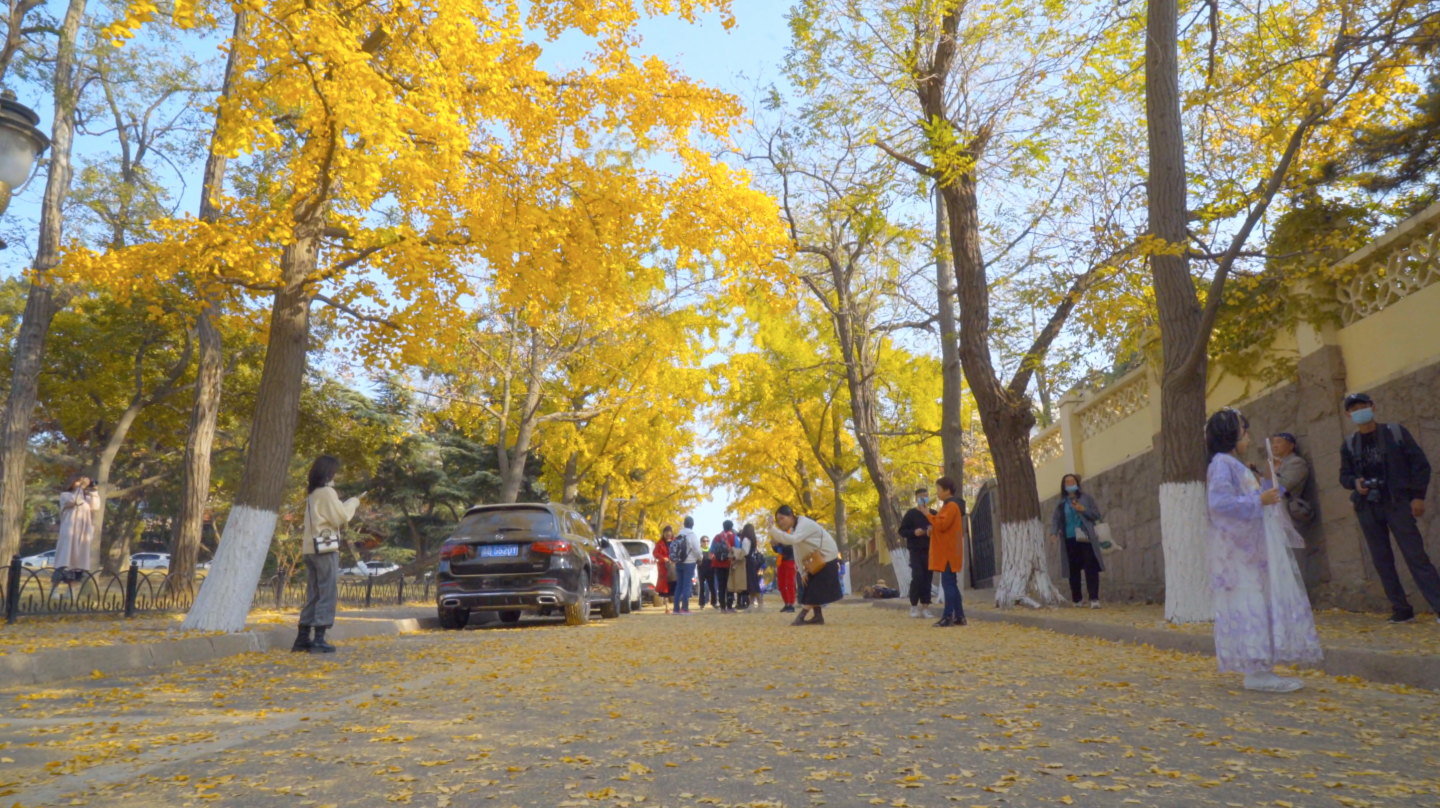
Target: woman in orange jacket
(947,549)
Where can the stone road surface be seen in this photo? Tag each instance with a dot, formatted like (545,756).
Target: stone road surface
(655,710)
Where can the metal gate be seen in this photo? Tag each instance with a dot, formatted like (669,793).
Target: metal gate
(982,540)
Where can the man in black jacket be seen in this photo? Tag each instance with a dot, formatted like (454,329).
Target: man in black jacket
(915,531)
(1388,473)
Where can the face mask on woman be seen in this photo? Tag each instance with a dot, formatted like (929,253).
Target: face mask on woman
(1071,489)
(1362,416)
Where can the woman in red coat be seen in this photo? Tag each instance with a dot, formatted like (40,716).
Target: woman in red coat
(662,566)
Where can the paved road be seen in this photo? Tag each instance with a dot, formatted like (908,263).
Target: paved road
(656,710)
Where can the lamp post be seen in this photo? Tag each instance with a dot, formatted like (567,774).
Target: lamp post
(20,144)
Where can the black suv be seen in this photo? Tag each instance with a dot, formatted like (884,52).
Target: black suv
(524,558)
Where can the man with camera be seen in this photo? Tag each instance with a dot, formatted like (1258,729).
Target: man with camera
(1388,473)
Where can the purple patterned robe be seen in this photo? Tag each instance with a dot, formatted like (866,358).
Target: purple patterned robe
(1262,612)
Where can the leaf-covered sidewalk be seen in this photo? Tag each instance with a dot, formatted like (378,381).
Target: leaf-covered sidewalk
(50,633)
(1337,628)
(655,710)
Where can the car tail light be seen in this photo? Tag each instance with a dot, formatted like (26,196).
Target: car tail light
(551,547)
(457,552)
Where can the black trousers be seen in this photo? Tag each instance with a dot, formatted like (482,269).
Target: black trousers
(1081,555)
(1381,519)
(722,587)
(920,577)
(707,588)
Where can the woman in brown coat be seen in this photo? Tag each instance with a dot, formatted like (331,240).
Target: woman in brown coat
(947,549)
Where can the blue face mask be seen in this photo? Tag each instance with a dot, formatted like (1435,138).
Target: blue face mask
(1072,488)
(1362,416)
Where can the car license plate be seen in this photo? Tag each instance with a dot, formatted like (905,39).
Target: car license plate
(499,550)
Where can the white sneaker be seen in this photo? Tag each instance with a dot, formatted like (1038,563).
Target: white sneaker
(1094,604)
(925,613)
(1270,683)
(914,611)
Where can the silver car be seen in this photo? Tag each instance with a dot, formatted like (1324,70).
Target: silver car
(632,590)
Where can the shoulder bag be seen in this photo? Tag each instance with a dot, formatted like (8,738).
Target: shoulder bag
(814,562)
(327,541)
(1106,539)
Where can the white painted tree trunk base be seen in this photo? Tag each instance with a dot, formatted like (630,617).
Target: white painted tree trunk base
(900,561)
(1184,532)
(224,599)
(1025,576)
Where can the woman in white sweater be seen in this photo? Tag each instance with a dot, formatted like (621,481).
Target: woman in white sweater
(325,517)
(809,539)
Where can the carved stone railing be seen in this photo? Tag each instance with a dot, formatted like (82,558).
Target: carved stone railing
(1047,446)
(1114,406)
(1393,267)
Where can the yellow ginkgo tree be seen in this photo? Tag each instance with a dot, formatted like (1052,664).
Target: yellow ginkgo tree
(407,156)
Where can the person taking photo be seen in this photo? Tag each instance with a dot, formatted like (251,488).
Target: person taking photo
(1388,474)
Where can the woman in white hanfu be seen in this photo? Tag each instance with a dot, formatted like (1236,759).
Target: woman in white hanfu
(78,503)
(1262,612)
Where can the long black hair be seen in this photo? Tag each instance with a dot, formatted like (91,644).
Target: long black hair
(1223,431)
(1078,489)
(322,473)
(748,532)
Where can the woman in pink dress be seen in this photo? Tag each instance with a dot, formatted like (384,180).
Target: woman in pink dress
(1262,612)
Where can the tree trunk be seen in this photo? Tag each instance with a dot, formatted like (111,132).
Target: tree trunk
(210,376)
(115,547)
(571,485)
(604,504)
(860,380)
(224,597)
(1007,418)
(41,305)
(952,430)
(807,497)
(640,524)
(1183,522)
(512,461)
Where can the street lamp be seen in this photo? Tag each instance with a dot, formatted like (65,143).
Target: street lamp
(20,144)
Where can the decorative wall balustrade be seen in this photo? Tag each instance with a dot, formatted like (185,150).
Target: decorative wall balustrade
(1393,272)
(1114,407)
(1046,447)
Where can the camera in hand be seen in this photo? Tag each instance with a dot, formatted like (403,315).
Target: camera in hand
(1372,486)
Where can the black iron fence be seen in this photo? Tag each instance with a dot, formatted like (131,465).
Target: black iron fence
(30,592)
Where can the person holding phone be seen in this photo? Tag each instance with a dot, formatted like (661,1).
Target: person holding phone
(78,504)
(1074,522)
(325,519)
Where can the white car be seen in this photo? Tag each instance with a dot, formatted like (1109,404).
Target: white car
(371,568)
(631,590)
(642,552)
(44,560)
(151,561)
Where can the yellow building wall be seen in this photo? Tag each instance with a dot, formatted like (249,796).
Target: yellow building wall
(1396,340)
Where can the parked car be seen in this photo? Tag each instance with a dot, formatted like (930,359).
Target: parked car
(370,568)
(151,561)
(642,552)
(44,560)
(631,591)
(525,558)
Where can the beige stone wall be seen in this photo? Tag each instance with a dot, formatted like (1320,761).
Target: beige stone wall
(1387,343)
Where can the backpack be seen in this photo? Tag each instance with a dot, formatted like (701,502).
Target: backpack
(680,549)
(722,547)
(757,560)
(1354,440)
